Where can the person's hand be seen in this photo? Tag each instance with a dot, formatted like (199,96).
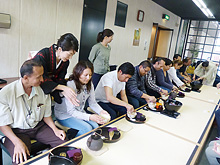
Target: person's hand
(194,77)
(182,87)
(185,81)
(218,85)
(105,115)
(130,108)
(188,79)
(103,112)
(70,95)
(175,88)
(20,152)
(164,92)
(60,134)
(151,99)
(200,78)
(96,118)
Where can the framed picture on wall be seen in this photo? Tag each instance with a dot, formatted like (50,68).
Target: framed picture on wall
(137,34)
(121,14)
(140,16)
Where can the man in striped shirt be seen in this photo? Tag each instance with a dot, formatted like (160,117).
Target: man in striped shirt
(151,87)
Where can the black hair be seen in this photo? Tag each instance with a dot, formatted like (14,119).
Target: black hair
(168,61)
(68,42)
(27,67)
(158,60)
(176,56)
(145,64)
(77,71)
(178,62)
(105,32)
(193,64)
(205,64)
(127,68)
(185,60)
(197,63)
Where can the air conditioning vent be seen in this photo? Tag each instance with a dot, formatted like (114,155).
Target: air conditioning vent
(5,20)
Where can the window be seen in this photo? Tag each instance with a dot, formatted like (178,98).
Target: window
(203,41)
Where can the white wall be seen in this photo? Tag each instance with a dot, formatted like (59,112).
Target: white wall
(123,38)
(39,23)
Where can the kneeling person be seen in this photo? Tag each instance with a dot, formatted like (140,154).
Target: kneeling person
(135,87)
(76,117)
(110,85)
(25,113)
(151,87)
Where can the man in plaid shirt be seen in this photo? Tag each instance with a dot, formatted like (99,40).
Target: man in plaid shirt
(151,87)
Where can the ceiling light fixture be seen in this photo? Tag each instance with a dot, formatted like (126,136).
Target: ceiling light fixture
(202,6)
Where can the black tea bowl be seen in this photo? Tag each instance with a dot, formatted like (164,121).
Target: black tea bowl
(172,105)
(196,85)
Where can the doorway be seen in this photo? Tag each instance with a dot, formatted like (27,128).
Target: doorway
(93,22)
(160,44)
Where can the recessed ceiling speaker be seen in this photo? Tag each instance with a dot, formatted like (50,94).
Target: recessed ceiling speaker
(5,20)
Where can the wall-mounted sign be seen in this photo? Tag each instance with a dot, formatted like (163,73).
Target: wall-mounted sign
(136,40)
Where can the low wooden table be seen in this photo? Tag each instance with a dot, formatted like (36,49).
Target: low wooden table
(161,140)
(208,94)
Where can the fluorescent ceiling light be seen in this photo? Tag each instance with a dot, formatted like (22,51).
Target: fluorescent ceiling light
(205,12)
(202,6)
(202,3)
(209,12)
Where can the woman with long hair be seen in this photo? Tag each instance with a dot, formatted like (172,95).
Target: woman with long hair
(55,61)
(76,117)
(163,79)
(99,55)
(173,75)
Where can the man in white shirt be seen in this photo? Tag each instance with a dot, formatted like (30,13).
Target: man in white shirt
(25,113)
(110,85)
(206,71)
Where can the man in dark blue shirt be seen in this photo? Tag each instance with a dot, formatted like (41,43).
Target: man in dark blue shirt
(135,87)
